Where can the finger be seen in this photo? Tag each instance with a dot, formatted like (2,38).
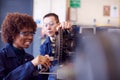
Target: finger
(58,27)
(47,56)
(48,64)
(63,25)
(51,58)
(43,60)
(68,25)
(47,61)
(44,68)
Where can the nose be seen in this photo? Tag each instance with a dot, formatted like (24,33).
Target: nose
(30,37)
(48,27)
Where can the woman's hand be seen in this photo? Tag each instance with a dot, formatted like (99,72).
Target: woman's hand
(42,60)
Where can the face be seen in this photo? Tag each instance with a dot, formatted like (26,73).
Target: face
(23,39)
(50,25)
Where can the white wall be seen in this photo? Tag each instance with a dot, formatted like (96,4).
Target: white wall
(91,9)
(42,7)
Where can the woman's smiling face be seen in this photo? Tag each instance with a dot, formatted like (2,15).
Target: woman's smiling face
(24,38)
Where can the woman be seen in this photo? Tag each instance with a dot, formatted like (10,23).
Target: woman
(15,64)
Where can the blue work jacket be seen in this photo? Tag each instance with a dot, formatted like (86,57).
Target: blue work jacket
(11,69)
(46,48)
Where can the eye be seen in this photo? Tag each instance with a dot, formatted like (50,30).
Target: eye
(27,33)
(51,24)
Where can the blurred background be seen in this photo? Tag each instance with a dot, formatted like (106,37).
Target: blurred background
(93,16)
(83,13)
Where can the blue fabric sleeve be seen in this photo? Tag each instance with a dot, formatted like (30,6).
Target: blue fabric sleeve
(42,52)
(22,72)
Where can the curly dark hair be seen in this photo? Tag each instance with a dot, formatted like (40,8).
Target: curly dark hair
(13,23)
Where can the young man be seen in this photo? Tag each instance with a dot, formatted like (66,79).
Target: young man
(51,25)
(15,64)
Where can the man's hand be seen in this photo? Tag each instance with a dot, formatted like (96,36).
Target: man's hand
(65,25)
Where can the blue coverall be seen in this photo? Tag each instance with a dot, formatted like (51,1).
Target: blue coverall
(12,69)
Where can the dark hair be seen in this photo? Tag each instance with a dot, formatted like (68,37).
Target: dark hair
(13,23)
(52,14)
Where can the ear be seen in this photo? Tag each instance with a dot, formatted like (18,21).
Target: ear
(14,37)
